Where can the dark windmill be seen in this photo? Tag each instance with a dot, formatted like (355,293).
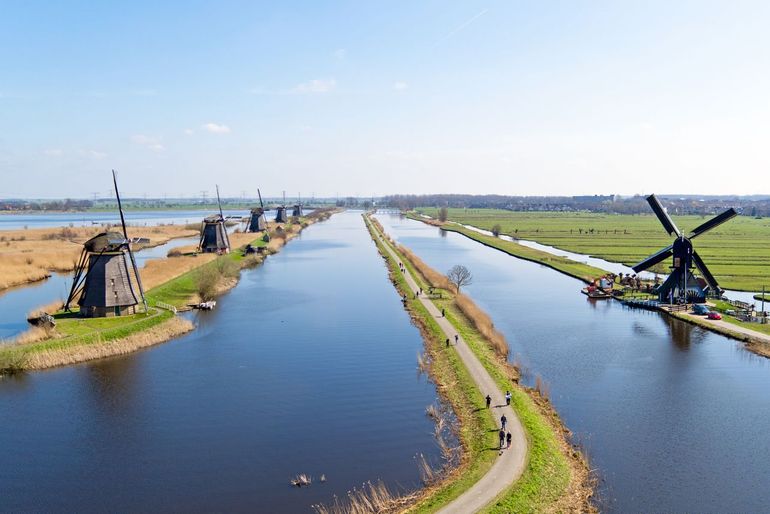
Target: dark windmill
(297,209)
(214,233)
(257,220)
(681,285)
(280,213)
(103,283)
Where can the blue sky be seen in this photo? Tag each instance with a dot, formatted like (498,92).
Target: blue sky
(363,98)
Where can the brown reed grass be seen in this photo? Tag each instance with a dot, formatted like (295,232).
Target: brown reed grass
(371,498)
(433,277)
(70,355)
(483,323)
(30,255)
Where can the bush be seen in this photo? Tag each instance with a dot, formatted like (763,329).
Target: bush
(496,229)
(206,282)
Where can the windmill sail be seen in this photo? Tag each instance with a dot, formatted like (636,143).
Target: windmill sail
(128,244)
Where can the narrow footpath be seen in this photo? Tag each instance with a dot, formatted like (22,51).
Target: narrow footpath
(510,465)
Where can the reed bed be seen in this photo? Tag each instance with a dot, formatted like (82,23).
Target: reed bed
(433,277)
(60,357)
(483,323)
(159,271)
(371,498)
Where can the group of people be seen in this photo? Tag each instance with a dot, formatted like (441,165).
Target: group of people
(505,437)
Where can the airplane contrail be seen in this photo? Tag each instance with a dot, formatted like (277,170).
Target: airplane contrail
(462,26)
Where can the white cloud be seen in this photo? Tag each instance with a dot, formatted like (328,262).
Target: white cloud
(53,152)
(94,154)
(151,143)
(340,54)
(316,86)
(188,131)
(216,128)
(400,86)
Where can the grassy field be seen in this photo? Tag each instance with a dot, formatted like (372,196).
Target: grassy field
(547,477)
(737,252)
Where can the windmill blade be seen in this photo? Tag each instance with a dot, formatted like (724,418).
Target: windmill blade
(714,222)
(222,216)
(710,280)
(120,206)
(260,200)
(128,244)
(654,259)
(663,216)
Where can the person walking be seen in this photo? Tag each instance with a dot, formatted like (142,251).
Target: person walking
(508,440)
(442,312)
(503,421)
(447,342)
(502,438)
(456,338)
(507,397)
(489,401)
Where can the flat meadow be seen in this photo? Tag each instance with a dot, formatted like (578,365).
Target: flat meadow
(737,252)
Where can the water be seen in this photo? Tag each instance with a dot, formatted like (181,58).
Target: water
(674,417)
(307,366)
(16,303)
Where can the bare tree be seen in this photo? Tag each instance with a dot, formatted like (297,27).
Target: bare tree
(443,214)
(459,276)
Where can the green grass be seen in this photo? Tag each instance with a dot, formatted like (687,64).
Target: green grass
(575,269)
(547,474)
(737,252)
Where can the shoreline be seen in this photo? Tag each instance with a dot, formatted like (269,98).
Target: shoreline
(540,486)
(756,343)
(155,326)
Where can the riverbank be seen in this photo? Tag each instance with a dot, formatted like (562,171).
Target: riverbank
(556,476)
(212,276)
(754,340)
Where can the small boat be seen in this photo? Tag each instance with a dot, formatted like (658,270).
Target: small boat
(596,293)
(205,306)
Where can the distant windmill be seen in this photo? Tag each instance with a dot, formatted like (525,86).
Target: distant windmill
(297,210)
(681,283)
(214,233)
(257,220)
(102,282)
(280,214)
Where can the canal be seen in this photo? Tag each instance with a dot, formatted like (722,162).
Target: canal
(307,366)
(675,418)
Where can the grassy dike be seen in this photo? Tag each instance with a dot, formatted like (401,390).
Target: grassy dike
(79,339)
(556,478)
(569,267)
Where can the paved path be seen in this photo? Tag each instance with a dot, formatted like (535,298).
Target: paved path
(510,465)
(726,325)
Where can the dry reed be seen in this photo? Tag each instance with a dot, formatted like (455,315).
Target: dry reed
(433,277)
(483,323)
(81,353)
(369,499)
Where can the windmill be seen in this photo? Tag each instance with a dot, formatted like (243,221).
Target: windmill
(102,281)
(257,220)
(214,233)
(681,284)
(297,209)
(280,214)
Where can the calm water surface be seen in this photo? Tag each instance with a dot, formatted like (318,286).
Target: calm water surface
(675,418)
(307,366)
